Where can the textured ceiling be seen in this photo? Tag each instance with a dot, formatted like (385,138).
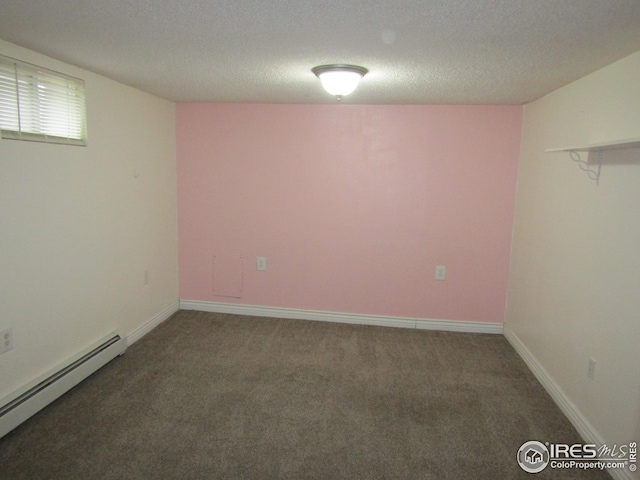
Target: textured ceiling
(417,52)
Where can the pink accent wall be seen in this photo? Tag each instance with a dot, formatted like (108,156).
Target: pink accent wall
(353,206)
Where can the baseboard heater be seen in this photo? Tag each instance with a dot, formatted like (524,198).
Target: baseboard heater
(43,391)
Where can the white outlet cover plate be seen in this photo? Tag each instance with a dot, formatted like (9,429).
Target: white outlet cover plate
(6,340)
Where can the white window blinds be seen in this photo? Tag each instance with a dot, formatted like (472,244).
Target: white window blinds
(40,105)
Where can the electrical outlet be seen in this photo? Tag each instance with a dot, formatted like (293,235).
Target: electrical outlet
(261,263)
(440,273)
(591,369)
(6,340)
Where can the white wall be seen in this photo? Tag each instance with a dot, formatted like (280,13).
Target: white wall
(80,225)
(574,290)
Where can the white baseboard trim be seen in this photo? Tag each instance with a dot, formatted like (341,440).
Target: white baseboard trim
(353,318)
(567,406)
(153,322)
(588,433)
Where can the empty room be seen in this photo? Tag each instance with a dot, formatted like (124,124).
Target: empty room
(319,240)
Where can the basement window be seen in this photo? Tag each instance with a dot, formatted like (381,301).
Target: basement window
(40,105)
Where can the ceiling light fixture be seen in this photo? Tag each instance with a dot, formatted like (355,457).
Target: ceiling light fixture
(339,80)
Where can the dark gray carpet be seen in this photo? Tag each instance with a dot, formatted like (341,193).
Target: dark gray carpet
(207,396)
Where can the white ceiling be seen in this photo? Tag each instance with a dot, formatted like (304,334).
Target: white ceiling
(417,52)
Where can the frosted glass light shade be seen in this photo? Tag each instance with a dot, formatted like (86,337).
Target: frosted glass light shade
(339,80)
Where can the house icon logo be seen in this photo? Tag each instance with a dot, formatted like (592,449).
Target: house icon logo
(533,457)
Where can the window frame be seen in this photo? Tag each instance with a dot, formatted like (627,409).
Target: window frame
(41,105)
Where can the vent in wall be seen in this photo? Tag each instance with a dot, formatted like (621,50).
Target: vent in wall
(15,411)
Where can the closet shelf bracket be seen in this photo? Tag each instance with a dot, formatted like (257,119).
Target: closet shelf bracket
(593,171)
(593,174)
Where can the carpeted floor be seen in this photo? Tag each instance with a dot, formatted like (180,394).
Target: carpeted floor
(212,396)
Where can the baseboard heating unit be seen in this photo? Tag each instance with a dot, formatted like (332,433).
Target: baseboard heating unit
(40,393)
